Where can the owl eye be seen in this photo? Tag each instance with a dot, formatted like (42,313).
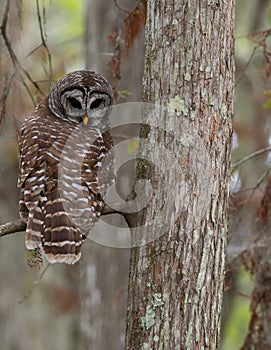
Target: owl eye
(97,103)
(74,103)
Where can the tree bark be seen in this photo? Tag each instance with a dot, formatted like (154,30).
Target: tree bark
(176,281)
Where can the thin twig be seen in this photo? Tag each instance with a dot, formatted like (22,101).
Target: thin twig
(257,185)
(14,59)
(19,225)
(246,65)
(33,51)
(4,96)
(3,100)
(43,40)
(35,284)
(249,156)
(120,8)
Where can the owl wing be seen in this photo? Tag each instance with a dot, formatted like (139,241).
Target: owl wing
(98,165)
(106,176)
(49,223)
(31,167)
(31,180)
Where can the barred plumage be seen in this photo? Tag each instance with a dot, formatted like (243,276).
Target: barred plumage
(66,165)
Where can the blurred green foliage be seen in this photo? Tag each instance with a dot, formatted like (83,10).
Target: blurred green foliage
(236,326)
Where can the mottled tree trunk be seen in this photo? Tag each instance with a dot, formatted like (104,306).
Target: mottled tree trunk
(176,281)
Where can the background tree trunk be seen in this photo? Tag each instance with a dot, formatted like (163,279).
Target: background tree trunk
(176,282)
(103,287)
(104,270)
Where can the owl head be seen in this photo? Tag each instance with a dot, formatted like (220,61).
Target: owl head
(82,97)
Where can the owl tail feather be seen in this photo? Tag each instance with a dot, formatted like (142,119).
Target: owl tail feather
(34,229)
(61,239)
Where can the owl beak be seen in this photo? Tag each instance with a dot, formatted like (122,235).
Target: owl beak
(85,119)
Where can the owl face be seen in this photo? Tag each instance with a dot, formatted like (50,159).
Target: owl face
(82,97)
(83,106)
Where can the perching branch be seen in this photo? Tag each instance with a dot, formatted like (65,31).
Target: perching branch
(12,227)
(19,225)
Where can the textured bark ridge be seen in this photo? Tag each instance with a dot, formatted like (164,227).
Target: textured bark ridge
(176,280)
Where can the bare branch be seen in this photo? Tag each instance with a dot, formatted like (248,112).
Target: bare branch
(118,209)
(14,59)
(250,156)
(12,227)
(43,40)
(19,225)
(120,8)
(246,65)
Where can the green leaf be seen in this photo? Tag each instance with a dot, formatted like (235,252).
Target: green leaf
(267,104)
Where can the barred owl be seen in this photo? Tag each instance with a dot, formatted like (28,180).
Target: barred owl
(66,165)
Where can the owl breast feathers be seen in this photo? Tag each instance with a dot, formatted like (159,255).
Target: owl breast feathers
(66,165)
